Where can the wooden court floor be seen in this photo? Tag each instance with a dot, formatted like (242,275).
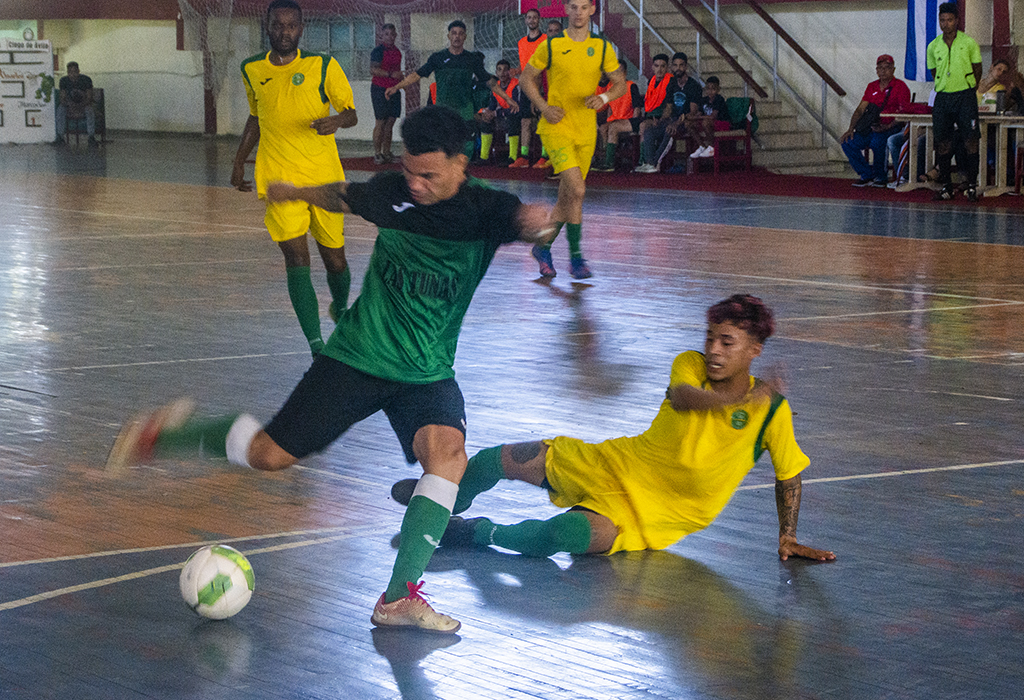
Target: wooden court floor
(904,353)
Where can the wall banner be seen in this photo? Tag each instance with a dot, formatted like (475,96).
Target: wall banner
(26,92)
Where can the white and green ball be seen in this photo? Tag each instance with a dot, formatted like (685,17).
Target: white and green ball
(217,581)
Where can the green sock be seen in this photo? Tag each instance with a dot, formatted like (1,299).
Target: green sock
(524,150)
(609,153)
(558,229)
(482,473)
(574,232)
(207,435)
(339,283)
(543,151)
(566,532)
(424,524)
(303,296)
(485,145)
(513,145)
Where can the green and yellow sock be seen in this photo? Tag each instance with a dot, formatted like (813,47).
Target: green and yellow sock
(566,532)
(513,145)
(485,145)
(424,524)
(339,283)
(574,234)
(307,308)
(482,473)
(206,435)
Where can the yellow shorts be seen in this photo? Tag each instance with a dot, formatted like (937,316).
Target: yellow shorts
(565,155)
(288,220)
(586,474)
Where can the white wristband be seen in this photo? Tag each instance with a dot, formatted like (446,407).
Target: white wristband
(604,97)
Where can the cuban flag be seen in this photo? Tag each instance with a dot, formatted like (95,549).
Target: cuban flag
(922,27)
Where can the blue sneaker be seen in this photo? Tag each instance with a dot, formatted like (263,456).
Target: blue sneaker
(543,256)
(579,270)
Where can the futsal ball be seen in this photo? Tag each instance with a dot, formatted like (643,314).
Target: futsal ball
(217,581)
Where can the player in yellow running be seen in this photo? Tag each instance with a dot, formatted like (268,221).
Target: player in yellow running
(574,60)
(291,93)
(650,491)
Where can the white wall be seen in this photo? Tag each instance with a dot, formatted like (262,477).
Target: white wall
(147,84)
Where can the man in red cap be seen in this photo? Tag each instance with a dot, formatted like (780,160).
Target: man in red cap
(869,130)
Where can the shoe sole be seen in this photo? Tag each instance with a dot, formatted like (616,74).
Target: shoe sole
(401,491)
(410,626)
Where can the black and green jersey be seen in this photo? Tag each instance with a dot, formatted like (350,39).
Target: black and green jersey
(456,75)
(426,264)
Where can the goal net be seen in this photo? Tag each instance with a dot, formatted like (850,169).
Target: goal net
(225,32)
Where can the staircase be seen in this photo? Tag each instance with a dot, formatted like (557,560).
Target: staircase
(783,145)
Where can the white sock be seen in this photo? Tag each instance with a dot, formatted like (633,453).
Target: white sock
(438,489)
(240,436)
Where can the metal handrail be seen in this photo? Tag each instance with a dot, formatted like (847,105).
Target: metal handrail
(799,50)
(747,78)
(779,80)
(644,25)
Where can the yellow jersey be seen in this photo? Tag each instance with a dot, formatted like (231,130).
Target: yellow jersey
(676,477)
(287,99)
(574,69)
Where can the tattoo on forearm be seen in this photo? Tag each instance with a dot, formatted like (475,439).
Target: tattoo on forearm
(523,452)
(787,500)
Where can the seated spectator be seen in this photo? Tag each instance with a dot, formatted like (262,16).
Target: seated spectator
(501,114)
(654,97)
(711,116)
(76,102)
(622,116)
(869,130)
(682,97)
(991,84)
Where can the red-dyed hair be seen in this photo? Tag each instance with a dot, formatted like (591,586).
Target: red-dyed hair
(746,312)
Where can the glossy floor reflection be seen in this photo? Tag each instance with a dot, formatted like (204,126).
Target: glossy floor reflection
(899,330)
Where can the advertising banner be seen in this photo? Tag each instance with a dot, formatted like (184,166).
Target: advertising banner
(26,92)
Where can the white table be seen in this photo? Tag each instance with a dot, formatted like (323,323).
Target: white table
(1004,123)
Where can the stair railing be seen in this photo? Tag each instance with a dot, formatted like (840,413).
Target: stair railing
(772,67)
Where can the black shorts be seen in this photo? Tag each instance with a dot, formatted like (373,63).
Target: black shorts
(955,113)
(525,107)
(384,108)
(332,397)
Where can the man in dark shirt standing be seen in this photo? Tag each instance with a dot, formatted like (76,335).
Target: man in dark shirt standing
(76,101)
(386,67)
(457,71)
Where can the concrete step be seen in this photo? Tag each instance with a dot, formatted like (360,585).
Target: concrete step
(773,158)
(830,169)
(770,124)
(767,109)
(786,139)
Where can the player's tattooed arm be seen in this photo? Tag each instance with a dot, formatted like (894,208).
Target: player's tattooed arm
(330,197)
(787,502)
